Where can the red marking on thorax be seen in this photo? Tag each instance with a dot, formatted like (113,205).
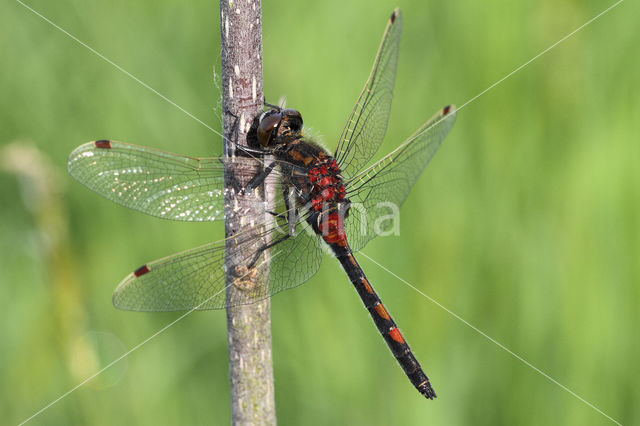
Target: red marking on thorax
(102,144)
(327,187)
(396,335)
(327,180)
(298,156)
(141,271)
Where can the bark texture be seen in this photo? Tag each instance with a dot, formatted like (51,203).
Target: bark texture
(249,326)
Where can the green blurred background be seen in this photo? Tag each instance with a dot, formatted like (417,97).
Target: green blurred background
(525,224)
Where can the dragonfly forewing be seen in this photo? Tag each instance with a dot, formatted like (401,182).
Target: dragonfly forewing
(367,123)
(158,183)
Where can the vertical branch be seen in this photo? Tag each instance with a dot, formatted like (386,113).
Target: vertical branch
(249,326)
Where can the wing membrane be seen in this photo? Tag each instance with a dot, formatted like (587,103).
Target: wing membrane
(195,279)
(185,188)
(390,179)
(158,183)
(367,123)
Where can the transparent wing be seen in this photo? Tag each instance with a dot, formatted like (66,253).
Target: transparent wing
(154,182)
(178,187)
(192,279)
(378,191)
(195,279)
(367,123)
(295,260)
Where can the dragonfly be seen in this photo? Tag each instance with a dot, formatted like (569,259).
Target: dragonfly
(322,202)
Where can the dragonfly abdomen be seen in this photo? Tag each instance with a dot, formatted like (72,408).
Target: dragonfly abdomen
(383,321)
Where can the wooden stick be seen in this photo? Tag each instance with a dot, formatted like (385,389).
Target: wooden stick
(249,326)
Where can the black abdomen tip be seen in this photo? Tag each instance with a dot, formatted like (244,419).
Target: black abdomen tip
(427,390)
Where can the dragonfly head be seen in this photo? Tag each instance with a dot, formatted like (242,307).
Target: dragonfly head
(279,126)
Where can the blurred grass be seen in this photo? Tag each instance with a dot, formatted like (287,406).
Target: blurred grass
(525,224)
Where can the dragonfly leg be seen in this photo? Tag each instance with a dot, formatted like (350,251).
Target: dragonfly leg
(286,215)
(288,193)
(266,247)
(240,150)
(234,133)
(246,151)
(268,105)
(256,180)
(233,180)
(259,177)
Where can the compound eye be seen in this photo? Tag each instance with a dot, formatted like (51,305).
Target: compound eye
(268,123)
(293,119)
(295,126)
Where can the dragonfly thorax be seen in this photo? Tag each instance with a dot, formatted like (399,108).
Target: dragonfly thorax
(327,186)
(308,168)
(328,204)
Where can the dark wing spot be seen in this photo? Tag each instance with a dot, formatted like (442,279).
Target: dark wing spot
(393,16)
(141,271)
(103,143)
(446,110)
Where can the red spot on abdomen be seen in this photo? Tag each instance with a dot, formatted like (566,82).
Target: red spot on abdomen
(367,286)
(332,229)
(103,144)
(141,271)
(382,312)
(396,335)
